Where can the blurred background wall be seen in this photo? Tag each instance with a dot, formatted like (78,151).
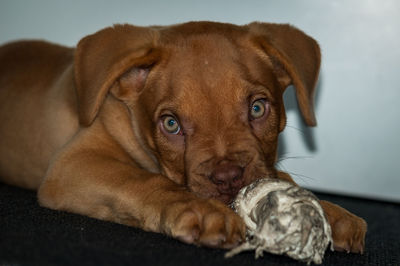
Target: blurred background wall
(355,149)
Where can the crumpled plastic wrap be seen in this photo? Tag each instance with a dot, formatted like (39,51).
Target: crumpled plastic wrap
(282,218)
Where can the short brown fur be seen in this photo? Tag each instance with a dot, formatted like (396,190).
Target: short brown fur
(86,126)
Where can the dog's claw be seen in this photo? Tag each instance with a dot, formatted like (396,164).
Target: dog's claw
(206,223)
(349,234)
(348,230)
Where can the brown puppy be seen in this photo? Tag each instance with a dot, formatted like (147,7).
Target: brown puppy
(158,127)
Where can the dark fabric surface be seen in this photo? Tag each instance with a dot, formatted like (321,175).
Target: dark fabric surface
(31,235)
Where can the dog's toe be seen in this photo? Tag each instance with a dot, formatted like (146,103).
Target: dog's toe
(208,223)
(348,234)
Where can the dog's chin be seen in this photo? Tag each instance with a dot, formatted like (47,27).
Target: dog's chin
(225,198)
(211,194)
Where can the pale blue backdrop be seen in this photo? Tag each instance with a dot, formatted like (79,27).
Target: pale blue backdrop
(356,148)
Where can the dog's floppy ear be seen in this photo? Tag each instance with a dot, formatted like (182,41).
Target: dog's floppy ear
(296,60)
(122,51)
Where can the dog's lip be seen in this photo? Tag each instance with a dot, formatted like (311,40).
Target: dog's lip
(226,198)
(212,192)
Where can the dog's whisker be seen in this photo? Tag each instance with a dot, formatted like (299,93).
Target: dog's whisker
(293,157)
(280,166)
(296,128)
(303,177)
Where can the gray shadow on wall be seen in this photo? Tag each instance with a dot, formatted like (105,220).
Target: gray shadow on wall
(307,133)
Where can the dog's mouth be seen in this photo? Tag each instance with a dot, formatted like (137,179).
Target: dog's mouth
(224,179)
(224,192)
(223,183)
(226,199)
(211,191)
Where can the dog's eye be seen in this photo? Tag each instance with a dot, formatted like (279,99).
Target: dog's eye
(257,109)
(171,125)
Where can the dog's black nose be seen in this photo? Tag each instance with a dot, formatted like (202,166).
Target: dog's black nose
(228,177)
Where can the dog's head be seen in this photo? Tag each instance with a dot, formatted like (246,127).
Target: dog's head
(207,97)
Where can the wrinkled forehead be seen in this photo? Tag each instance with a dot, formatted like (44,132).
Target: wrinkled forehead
(207,49)
(207,75)
(205,71)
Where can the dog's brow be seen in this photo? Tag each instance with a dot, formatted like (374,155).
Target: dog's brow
(261,90)
(166,106)
(256,89)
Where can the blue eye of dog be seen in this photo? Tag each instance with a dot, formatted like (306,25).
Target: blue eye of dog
(171,125)
(257,109)
(171,122)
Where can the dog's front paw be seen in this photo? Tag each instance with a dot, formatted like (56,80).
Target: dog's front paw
(204,222)
(348,230)
(348,233)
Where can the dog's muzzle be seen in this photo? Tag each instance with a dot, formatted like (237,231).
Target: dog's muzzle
(228,178)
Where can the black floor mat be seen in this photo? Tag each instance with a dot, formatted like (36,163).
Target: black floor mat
(31,235)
